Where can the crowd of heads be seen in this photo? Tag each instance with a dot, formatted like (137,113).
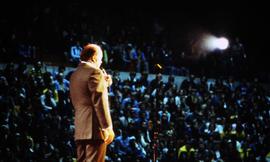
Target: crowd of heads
(36,115)
(196,120)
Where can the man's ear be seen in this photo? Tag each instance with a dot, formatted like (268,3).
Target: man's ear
(94,58)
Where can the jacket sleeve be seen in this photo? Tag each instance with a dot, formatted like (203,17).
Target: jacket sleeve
(99,98)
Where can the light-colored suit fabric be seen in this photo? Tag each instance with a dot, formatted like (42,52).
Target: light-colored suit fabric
(89,96)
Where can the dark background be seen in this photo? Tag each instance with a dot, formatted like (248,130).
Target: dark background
(181,23)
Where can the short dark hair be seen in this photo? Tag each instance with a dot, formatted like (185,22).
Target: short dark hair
(88,52)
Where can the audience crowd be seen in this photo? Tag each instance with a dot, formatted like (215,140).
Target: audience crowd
(195,120)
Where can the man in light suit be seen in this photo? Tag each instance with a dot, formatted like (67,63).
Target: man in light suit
(89,96)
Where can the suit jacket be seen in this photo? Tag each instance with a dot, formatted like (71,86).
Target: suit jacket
(89,96)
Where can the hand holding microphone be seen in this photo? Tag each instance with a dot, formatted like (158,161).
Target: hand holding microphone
(108,77)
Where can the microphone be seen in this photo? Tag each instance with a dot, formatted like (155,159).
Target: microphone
(104,71)
(107,77)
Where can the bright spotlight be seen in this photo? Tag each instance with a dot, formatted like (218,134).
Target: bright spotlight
(222,43)
(207,43)
(211,43)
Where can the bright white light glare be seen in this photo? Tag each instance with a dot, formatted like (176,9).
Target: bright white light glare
(222,43)
(211,43)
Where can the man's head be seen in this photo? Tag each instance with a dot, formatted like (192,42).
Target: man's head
(92,53)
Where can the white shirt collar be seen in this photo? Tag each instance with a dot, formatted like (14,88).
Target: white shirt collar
(89,64)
